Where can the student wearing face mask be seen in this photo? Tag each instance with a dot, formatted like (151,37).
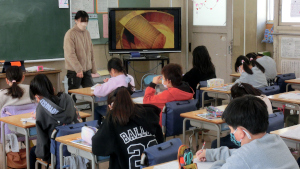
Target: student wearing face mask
(178,90)
(78,52)
(247,118)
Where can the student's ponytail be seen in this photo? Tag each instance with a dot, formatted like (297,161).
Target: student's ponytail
(246,68)
(122,106)
(259,66)
(243,60)
(14,75)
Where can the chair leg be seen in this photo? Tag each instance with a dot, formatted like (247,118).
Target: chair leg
(36,164)
(196,139)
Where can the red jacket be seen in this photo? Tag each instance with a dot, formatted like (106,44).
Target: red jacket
(183,92)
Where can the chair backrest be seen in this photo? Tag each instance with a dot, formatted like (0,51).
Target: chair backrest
(280,81)
(66,130)
(15,110)
(270,90)
(147,79)
(276,121)
(199,94)
(171,120)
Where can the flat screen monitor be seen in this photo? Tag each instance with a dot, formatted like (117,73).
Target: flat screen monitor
(144,30)
(8,64)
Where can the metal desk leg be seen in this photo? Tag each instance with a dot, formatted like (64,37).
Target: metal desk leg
(3,145)
(61,155)
(27,147)
(218,135)
(184,129)
(203,99)
(287,87)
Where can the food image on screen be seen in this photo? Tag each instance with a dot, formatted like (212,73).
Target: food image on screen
(144,29)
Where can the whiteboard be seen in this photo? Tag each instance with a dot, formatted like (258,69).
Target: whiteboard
(209,12)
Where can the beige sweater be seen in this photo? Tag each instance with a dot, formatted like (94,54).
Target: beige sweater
(9,101)
(78,51)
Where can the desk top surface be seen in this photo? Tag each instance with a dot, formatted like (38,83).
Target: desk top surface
(16,119)
(211,89)
(294,81)
(83,91)
(194,115)
(3,75)
(283,130)
(276,98)
(235,74)
(67,141)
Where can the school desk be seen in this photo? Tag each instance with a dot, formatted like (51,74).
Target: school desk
(294,83)
(28,130)
(292,104)
(211,92)
(73,148)
(53,75)
(87,94)
(174,164)
(216,125)
(238,74)
(291,142)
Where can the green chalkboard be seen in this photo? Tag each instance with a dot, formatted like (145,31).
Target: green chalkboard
(35,29)
(122,4)
(32,29)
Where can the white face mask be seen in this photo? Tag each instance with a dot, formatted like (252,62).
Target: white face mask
(162,82)
(83,24)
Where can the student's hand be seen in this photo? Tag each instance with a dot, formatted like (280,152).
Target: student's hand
(95,75)
(105,80)
(156,79)
(201,155)
(33,115)
(80,74)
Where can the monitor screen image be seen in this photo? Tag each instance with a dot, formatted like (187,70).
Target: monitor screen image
(148,30)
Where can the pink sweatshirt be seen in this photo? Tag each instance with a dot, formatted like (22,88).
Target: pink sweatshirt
(112,84)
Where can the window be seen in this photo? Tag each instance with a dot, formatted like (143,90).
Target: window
(270,10)
(290,12)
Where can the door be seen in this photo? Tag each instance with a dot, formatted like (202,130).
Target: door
(210,24)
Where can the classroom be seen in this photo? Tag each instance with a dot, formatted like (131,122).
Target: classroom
(150,84)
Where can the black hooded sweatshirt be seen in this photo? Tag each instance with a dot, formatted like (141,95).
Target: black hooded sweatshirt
(125,144)
(50,115)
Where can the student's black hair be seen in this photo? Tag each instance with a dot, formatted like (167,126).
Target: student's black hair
(83,15)
(249,112)
(202,60)
(116,63)
(173,72)
(241,89)
(251,55)
(40,85)
(14,73)
(243,60)
(123,108)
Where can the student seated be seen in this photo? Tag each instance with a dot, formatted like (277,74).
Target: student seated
(52,111)
(203,68)
(17,93)
(119,78)
(267,62)
(251,72)
(178,90)
(247,118)
(239,90)
(126,131)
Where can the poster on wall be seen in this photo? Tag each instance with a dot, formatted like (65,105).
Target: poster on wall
(290,47)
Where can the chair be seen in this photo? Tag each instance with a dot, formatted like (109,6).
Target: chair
(146,80)
(270,90)
(280,81)
(62,131)
(208,100)
(15,110)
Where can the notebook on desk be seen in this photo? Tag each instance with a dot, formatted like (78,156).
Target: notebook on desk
(103,72)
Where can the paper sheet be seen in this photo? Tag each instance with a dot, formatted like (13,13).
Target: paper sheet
(29,120)
(295,8)
(103,72)
(93,28)
(290,47)
(103,5)
(105,25)
(63,3)
(86,5)
(290,66)
(295,133)
(294,96)
(175,165)
(138,100)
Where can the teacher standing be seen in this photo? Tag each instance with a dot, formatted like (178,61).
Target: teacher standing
(79,56)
